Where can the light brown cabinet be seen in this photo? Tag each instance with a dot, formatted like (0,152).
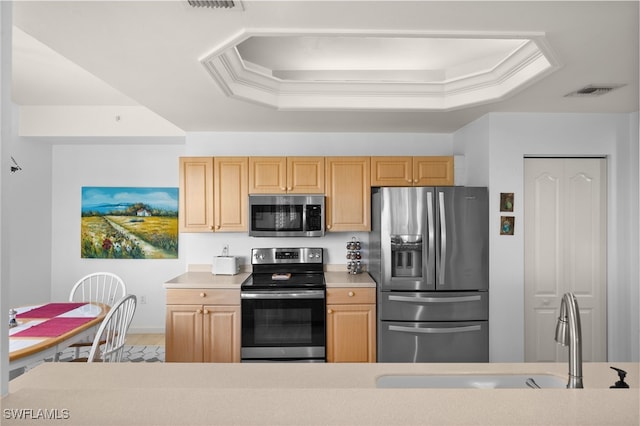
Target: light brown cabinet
(293,175)
(202,325)
(214,191)
(230,194)
(412,171)
(196,194)
(348,194)
(351,324)
(213,194)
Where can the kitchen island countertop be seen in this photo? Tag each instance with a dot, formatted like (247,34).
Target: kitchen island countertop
(311,394)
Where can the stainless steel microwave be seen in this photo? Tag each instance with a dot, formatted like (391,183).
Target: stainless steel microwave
(286,215)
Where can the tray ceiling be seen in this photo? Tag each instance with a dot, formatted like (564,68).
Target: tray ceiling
(384,66)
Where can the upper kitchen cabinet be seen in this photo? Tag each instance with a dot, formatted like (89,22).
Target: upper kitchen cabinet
(196,194)
(213,194)
(412,171)
(231,194)
(348,194)
(433,171)
(293,175)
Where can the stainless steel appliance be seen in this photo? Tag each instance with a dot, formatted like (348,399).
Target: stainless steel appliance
(286,215)
(283,306)
(430,258)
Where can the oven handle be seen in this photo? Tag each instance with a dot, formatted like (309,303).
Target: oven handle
(277,294)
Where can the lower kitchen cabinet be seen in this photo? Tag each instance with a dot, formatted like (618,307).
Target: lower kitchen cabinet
(202,325)
(351,324)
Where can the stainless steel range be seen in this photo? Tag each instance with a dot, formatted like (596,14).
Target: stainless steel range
(283,306)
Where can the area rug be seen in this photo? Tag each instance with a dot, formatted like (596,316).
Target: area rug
(130,353)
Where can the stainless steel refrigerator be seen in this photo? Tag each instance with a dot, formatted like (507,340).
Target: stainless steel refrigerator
(430,259)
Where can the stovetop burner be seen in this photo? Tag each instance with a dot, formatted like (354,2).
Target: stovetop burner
(286,268)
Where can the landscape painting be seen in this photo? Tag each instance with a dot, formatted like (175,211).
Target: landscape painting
(129,223)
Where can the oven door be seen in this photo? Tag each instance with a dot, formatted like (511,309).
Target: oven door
(283,325)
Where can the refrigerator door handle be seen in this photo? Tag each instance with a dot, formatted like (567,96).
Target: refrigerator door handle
(443,239)
(418,299)
(431,237)
(432,330)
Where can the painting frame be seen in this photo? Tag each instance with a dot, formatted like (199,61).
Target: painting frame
(506,201)
(507,225)
(129,222)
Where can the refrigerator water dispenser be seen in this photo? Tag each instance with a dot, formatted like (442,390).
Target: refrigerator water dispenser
(406,255)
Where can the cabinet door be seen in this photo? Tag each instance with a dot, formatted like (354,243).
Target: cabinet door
(267,175)
(231,196)
(391,171)
(348,194)
(183,335)
(196,194)
(305,175)
(221,333)
(433,171)
(351,333)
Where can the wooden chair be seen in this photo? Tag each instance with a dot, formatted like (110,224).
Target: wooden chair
(110,338)
(99,287)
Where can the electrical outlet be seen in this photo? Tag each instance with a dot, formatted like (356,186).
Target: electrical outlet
(143,300)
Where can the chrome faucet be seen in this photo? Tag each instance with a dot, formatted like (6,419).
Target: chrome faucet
(569,332)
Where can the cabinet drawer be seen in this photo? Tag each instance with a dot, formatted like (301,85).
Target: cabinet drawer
(204,296)
(350,295)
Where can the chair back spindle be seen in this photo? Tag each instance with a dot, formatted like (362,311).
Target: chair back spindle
(111,337)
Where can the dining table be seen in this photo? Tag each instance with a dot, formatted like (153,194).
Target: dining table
(43,331)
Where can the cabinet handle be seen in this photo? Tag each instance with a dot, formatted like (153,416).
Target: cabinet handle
(329,311)
(206,312)
(351,294)
(203,294)
(282,188)
(290,188)
(199,311)
(415,181)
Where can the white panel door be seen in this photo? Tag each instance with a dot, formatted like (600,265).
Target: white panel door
(565,250)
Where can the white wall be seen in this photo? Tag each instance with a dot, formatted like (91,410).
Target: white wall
(634,230)
(6,16)
(473,142)
(28,209)
(106,164)
(511,138)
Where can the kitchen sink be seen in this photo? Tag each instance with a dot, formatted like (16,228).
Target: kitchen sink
(471,381)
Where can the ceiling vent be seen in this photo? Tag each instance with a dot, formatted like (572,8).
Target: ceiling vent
(214,4)
(593,90)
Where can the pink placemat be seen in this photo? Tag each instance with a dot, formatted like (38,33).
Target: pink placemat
(51,310)
(53,328)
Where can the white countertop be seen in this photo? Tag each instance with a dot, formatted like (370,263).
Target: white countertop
(196,279)
(205,279)
(344,279)
(313,394)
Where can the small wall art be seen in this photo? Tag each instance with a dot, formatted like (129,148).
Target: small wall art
(507,225)
(506,201)
(129,223)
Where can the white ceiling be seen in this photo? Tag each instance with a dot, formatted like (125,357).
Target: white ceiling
(149,53)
